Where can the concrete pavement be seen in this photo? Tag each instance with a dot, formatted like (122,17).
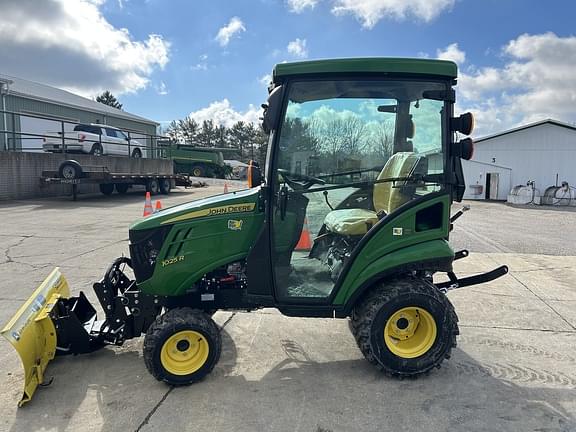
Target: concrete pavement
(514,368)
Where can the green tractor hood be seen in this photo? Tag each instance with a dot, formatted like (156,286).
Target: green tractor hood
(175,247)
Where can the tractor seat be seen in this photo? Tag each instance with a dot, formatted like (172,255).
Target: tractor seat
(386,198)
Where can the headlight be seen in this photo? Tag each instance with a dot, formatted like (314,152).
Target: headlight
(145,246)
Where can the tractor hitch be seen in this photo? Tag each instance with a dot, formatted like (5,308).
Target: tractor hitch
(455,282)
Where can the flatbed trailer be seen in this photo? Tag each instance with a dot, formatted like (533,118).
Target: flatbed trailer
(72,173)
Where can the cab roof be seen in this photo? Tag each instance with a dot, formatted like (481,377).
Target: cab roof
(442,68)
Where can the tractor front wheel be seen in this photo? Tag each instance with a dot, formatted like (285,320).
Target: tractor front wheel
(182,346)
(406,327)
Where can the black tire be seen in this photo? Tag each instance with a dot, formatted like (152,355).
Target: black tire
(70,170)
(198,171)
(371,315)
(122,188)
(165,185)
(97,150)
(106,188)
(153,186)
(182,321)
(137,153)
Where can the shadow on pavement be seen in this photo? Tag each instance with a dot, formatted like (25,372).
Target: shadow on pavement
(107,390)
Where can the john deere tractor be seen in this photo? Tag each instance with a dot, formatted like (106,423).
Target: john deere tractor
(312,235)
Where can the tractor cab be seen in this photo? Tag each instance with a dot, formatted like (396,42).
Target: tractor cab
(354,144)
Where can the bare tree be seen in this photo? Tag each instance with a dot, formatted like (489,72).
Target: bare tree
(384,140)
(353,135)
(340,137)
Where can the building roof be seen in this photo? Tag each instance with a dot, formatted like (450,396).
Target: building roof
(527,126)
(41,92)
(368,65)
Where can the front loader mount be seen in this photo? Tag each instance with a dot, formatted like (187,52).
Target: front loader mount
(52,323)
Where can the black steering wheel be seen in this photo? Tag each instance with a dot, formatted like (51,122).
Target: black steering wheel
(299,181)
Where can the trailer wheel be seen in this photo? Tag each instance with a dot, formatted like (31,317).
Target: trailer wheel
(106,188)
(198,171)
(70,169)
(182,346)
(405,327)
(122,188)
(152,186)
(137,154)
(97,150)
(165,186)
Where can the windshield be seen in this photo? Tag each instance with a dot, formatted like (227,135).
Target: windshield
(348,130)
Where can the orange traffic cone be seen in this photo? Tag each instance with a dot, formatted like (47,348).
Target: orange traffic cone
(147,205)
(225,187)
(305,243)
(158,206)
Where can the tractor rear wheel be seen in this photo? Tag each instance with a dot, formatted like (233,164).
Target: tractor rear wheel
(182,346)
(405,327)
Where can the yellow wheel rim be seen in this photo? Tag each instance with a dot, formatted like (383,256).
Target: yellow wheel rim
(410,332)
(184,352)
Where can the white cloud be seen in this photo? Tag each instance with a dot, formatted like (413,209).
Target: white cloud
(452,52)
(298,6)
(222,113)
(265,80)
(298,48)
(226,33)
(69,44)
(162,90)
(202,64)
(536,81)
(370,12)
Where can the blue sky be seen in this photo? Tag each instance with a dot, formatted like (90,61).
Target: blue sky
(164,60)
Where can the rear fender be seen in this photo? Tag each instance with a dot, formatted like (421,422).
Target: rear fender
(439,256)
(32,333)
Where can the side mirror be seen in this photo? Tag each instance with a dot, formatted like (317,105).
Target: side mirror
(463,124)
(254,174)
(464,149)
(271,116)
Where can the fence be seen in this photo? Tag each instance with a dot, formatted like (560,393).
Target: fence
(74,137)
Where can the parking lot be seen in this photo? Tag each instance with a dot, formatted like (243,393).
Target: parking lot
(514,368)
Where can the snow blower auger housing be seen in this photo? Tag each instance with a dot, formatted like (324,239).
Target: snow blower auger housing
(349,219)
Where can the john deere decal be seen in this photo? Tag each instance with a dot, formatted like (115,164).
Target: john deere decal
(214,211)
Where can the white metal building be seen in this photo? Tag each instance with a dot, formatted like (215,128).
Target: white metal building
(544,152)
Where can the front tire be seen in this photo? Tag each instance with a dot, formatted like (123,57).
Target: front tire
(405,327)
(198,171)
(182,346)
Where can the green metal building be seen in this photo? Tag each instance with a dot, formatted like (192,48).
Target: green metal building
(28,107)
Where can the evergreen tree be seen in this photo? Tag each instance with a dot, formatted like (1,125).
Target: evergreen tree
(109,99)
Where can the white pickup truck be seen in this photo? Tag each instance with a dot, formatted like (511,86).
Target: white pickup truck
(95,139)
